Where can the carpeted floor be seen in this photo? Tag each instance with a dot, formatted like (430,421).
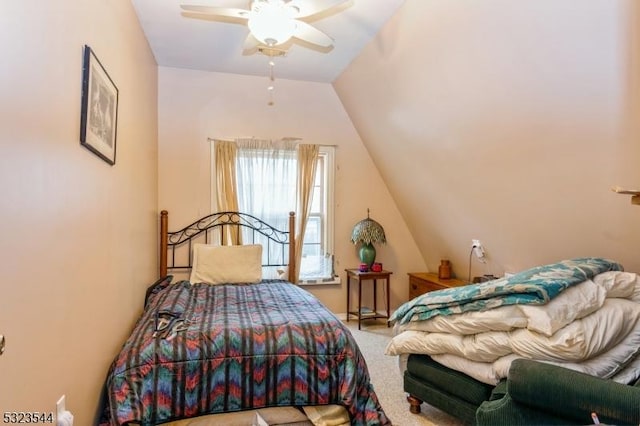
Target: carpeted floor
(387,381)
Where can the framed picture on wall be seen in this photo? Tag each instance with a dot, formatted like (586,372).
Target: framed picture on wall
(99,113)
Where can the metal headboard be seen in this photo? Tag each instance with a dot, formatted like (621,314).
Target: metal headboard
(170,241)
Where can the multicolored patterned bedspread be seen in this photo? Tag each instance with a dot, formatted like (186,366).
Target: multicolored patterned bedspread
(535,286)
(236,347)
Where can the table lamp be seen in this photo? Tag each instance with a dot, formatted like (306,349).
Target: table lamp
(367,232)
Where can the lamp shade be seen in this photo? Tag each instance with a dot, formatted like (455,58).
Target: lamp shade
(368,231)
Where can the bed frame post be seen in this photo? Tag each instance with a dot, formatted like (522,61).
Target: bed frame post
(292,247)
(164,234)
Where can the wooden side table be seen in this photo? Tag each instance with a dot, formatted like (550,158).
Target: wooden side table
(355,274)
(424,282)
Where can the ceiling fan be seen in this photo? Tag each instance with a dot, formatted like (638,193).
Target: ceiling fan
(274,22)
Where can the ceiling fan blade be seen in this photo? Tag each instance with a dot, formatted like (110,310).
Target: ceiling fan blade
(311,7)
(250,43)
(226,12)
(312,35)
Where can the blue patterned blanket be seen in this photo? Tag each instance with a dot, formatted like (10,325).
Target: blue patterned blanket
(202,349)
(535,286)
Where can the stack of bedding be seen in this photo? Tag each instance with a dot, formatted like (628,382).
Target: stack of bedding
(582,314)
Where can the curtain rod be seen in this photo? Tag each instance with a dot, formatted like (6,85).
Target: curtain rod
(288,139)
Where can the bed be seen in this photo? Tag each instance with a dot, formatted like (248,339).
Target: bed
(582,314)
(227,340)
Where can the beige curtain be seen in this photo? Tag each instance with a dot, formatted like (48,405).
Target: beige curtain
(307,164)
(226,194)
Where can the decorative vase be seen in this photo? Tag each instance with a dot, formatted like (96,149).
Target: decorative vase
(367,254)
(444,270)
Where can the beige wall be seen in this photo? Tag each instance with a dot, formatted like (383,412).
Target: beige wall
(508,122)
(195,105)
(78,236)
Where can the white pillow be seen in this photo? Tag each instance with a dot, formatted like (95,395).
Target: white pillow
(226,264)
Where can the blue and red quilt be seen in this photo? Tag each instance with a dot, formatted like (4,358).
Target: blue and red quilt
(201,349)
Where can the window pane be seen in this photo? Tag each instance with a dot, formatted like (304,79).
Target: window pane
(311,250)
(316,201)
(316,267)
(312,235)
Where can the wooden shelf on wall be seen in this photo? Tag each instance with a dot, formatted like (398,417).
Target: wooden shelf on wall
(635,194)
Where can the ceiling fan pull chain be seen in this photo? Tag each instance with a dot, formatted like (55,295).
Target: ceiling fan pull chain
(271,86)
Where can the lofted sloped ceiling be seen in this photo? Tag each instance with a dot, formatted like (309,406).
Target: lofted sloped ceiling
(506,122)
(496,120)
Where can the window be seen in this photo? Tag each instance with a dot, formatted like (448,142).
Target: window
(317,251)
(266,189)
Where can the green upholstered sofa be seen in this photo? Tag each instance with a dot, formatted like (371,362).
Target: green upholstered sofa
(545,394)
(534,394)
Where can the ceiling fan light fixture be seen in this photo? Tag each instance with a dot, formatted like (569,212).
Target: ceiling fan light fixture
(271,22)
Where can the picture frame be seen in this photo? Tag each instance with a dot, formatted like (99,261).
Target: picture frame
(99,112)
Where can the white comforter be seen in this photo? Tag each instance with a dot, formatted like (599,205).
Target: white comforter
(592,327)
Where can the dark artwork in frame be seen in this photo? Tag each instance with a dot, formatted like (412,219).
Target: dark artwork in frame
(99,113)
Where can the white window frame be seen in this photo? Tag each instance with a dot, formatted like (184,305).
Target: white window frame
(328,155)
